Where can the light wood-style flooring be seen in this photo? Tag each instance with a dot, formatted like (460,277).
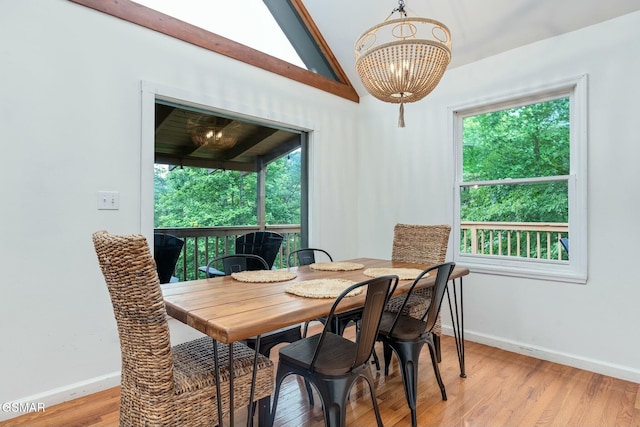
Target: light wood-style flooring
(501,389)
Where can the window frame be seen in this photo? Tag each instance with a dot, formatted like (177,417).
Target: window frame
(575,269)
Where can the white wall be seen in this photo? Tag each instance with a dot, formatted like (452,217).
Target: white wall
(591,326)
(71,124)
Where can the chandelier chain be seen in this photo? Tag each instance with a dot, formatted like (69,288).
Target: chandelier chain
(400,8)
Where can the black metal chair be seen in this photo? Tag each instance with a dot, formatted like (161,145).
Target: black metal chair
(333,363)
(265,244)
(166,251)
(305,256)
(236,263)
(240,262)
(406,335)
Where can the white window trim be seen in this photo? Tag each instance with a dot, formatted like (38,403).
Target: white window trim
(574,270)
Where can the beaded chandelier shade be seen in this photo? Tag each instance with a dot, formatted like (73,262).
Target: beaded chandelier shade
(402,60)
(212,137)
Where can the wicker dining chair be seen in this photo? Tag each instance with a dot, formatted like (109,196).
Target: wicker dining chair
(424,244)
(160,384)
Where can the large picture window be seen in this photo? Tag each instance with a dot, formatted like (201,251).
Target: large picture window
(520,183)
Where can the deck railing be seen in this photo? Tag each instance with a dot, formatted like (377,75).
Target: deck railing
(539,240)
(204,244)
(516,239)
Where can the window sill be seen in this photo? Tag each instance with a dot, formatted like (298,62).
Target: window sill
(556,271)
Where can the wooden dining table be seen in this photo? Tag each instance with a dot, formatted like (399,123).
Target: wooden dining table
(229,310)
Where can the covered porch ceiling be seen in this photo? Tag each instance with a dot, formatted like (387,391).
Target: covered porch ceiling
(187,137)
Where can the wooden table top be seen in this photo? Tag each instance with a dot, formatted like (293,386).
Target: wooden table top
(229,310)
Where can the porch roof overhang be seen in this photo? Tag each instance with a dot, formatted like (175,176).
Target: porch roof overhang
(255,144)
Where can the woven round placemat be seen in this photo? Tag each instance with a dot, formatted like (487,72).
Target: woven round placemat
(322,288)
(264,276)
(402,273)
(336,266)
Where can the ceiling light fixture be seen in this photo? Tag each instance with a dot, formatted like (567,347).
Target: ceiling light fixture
(212,132)
(402,60)
(212,136)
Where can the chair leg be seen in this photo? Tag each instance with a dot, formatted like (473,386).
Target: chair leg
(433,352)
(263,411)
(305,328)
(408,357)
(374,399)
(280,375)
(386,349)
(376,361)
(334,394)
(307,385)
(436,342)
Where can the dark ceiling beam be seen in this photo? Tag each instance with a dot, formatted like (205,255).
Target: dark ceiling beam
(162,113)
(284,148)
(165,24)
(205,163)
(247,144)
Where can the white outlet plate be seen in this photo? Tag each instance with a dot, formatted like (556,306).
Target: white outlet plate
(109,200)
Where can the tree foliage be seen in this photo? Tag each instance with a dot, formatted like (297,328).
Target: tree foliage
(198,197)
(524,142)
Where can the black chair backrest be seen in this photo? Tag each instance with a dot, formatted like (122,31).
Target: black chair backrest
(431,313)
(166,251)
(565,243)
(238,262)
(378,291)
(305,256)
(265,244)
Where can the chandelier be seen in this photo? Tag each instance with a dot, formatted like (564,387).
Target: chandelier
(402,60)
(212,132)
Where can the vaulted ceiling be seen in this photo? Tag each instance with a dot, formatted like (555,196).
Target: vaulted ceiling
(479,29)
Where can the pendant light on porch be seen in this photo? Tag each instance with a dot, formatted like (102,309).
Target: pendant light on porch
(402,60)
(212,132)
(213,137)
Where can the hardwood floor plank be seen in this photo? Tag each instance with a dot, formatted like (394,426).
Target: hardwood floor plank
(502,389)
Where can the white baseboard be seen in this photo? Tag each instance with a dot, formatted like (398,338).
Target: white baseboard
(58,395)
(576,361)
(179,333)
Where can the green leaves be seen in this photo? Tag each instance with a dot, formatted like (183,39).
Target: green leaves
(529,141)
(197,197)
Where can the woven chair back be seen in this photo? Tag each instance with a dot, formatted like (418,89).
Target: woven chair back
(147,364)
(424,244)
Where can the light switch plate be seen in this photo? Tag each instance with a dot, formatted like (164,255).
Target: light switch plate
(109,200)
